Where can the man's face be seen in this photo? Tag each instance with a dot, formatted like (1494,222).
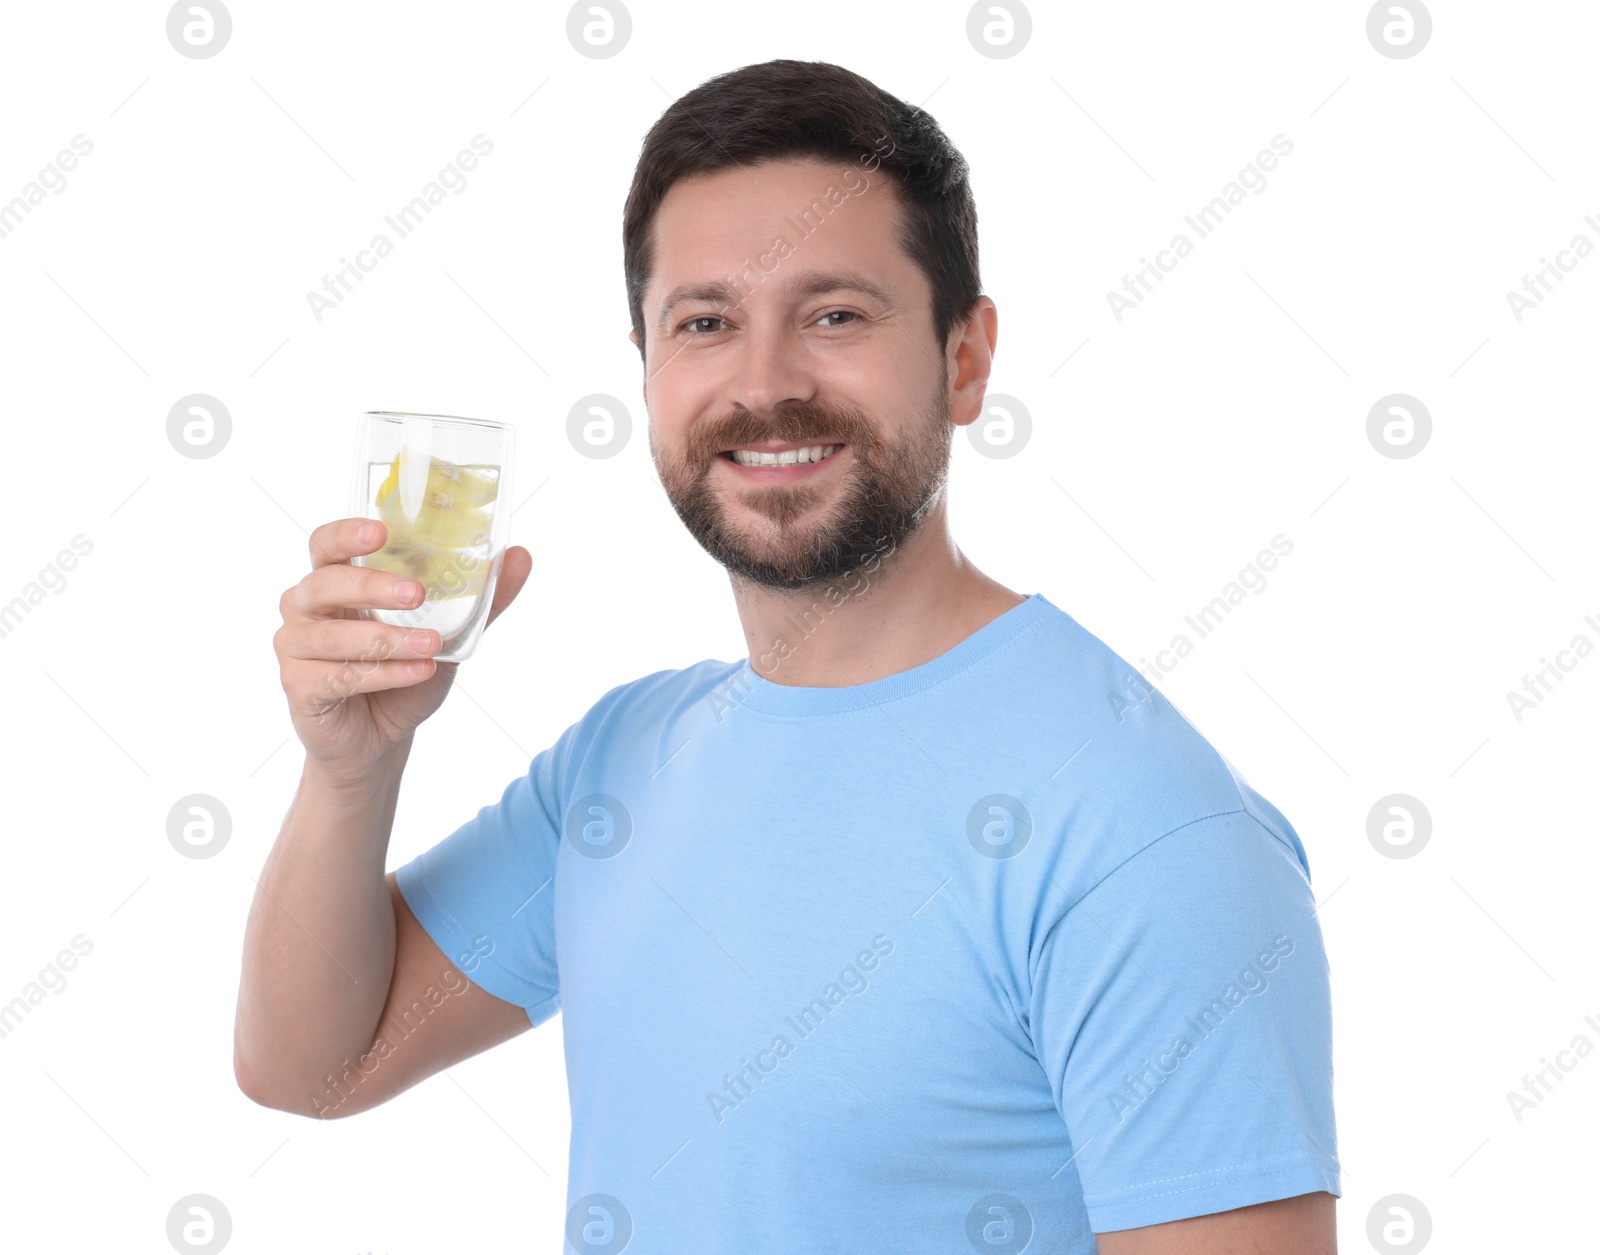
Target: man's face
(821,334)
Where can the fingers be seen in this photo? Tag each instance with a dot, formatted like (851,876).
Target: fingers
(332,588)
(338,640)
(318,623)
(515,566)
(343,539)
(323,684)
(325,652)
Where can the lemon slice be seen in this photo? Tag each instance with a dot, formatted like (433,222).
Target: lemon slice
(459,485)
(390,483)
(433,511)
(448,485)
(433,527)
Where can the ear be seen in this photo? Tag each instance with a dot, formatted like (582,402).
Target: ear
(969,356)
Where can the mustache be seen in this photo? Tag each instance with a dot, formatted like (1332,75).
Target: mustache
(800,424)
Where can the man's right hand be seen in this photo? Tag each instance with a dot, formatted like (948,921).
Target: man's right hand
(357,688)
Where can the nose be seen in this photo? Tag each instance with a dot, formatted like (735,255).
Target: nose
(773,369)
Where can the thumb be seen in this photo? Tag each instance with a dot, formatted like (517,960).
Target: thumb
(515,566)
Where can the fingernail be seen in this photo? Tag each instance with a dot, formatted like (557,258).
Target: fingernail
(408,590)
(368,533)
(420,640)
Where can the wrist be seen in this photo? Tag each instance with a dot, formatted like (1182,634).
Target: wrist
(357,785)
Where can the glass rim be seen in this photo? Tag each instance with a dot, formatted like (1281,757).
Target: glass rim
(446,419)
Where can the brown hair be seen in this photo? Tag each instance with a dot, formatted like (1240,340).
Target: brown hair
(786,109)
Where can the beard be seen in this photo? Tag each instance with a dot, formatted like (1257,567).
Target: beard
(800,540)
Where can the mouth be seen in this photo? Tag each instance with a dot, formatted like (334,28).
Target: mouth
(773,463)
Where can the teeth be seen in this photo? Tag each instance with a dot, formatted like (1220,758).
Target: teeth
(789,457)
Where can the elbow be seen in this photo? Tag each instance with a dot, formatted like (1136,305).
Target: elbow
(244,1078)
(252,1086)
(281,1097)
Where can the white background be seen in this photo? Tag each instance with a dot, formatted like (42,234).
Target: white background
(1230,406)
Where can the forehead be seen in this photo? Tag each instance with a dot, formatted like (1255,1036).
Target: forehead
(823,215)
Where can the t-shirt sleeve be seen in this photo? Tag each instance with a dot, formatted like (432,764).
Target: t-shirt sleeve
(1181,1010)
(485,892)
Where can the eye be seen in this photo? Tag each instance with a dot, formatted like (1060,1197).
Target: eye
(838,313)
(703,318)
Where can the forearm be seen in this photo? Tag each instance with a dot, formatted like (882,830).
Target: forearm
(319,942)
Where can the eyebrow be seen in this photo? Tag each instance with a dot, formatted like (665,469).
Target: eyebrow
(811,283)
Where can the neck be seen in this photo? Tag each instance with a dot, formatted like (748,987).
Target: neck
(897,611)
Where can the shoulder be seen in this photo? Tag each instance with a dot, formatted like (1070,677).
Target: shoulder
(646,710)
(659,694)
(1131,767)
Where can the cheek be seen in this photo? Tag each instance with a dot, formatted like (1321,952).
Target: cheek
(683,384)
(671,416)
(887,389)
(664,405)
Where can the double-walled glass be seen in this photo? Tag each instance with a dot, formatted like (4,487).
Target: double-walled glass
(441,485)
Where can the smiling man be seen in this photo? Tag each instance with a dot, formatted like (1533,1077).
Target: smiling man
(929,922)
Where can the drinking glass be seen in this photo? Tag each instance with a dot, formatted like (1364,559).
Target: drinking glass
(440,484)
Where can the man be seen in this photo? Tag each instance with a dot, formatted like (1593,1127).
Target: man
(930,921)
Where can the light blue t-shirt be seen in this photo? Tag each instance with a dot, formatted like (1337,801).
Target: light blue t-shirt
(997,950)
